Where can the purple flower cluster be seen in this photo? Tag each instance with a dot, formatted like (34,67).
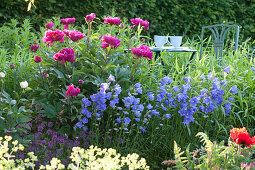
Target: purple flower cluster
(181,98)
(99,100)
(47,143)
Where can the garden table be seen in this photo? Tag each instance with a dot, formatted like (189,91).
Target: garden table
(158,51)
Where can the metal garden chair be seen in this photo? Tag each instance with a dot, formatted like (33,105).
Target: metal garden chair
(219,32)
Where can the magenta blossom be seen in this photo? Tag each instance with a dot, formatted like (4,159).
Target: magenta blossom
(75,35)
(49,25)
(113,42)
(67,32)
(91,17)
(12,66)
(112,21)
(66,54)
(34,47)
(142,51)
(67,21)
(71,91)
(46,75)
(51,36)
(137,21)
(38,59)
(80,81)
(121,25)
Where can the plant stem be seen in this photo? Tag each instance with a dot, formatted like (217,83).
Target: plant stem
(19,75)
(105,59)
(138,61)
(67,73)
(40,70)
(2,89)
(89,28)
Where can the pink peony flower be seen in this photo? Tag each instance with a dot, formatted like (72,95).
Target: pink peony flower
(67,21)
(137,21)
(142,51)
(67,32)
(38,59)
(113,42)
(112,21)
(71,91)
(34,47)
(90,17)
(51,36)
(75,35)
(66,54)
(49,25)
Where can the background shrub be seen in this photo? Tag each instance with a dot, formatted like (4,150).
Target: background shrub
(175,17)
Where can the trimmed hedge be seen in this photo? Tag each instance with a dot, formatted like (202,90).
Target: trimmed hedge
(173,17)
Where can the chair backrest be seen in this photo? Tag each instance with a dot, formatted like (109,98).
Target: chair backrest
(219,32)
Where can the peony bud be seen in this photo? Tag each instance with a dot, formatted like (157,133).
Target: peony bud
(121,25)
(2,75)
(38,59)
(12,66)
(46,75)
(34,47)
(81,81)
(24,84)
(49,25)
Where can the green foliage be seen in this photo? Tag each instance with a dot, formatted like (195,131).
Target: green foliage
(166,17)
(214,156)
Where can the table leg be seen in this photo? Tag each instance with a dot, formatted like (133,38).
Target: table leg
(191,58)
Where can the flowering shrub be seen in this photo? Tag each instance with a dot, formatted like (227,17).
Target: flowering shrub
(94,158)
(169,99)
(7,157)
(97,158)
(47,143)
(136,108)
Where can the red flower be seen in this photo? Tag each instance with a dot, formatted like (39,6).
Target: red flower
(34,47)
(142,51)
(49,25)
(241,136)
(38,59)
(113,42)
(90,17)
(67,21)
(71,91)
(74,35)
(66,54)
(112,21)
(137,21)
(51,36)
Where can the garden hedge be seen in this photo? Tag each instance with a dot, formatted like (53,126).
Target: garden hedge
(173,17)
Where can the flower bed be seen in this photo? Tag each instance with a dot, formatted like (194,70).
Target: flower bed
(99,84)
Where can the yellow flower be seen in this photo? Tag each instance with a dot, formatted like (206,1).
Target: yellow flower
(15,142)
(8,138)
